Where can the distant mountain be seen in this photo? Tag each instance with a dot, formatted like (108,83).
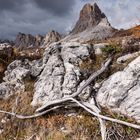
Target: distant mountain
(27,40)
(90,16)
(92,24)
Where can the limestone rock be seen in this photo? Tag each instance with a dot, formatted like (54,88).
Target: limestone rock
(16,74)
(98,48)
(126,57)
(61,75)
(6,50)
(121,92)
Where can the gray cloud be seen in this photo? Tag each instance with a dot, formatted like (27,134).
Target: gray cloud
(11,5)
(57,7)
(41,16)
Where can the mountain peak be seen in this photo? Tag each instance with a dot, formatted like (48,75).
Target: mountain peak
(90,16)
(88,9)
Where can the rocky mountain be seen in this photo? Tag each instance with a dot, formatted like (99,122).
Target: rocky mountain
(92,25)
(27,41)
(51,37)
(90,16)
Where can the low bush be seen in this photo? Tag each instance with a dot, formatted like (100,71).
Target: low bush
(111,48)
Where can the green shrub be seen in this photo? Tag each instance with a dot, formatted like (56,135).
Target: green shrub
(111,48)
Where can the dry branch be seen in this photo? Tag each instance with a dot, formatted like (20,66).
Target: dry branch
(88,81)
(106,118)
(82,106)
(30,116)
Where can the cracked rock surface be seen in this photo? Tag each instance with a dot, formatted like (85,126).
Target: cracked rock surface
(61,75)
(58,73)
(121,92)
(16,73)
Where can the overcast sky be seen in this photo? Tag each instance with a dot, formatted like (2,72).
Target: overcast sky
(41,16)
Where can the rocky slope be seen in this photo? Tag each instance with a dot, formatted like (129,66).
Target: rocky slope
(134,31)
(59,73)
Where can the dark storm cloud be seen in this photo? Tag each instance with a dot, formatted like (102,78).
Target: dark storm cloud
(57,7)
(41,16)
(34,16)
(11,5)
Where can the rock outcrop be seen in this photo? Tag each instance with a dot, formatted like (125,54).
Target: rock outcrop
(127,57)
(61,75)
(6,50)
(51,37)
(25,41)
(121,92)
(58,73)
(16,75)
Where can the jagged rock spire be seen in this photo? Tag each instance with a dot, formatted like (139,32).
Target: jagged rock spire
(90,16)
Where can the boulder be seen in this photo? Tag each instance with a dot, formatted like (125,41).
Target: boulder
(121,92)
(6,50)
(98,48)
(16,75)
(127,57)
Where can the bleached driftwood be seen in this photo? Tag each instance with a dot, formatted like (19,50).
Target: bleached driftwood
(88,81)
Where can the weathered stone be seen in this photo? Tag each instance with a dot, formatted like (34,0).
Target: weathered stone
(121,92)
(61,75)
(6,50)
(98,48)
(127,57)
(16,74)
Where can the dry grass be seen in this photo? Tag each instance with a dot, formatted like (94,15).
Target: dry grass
(60,126)
(31,54)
